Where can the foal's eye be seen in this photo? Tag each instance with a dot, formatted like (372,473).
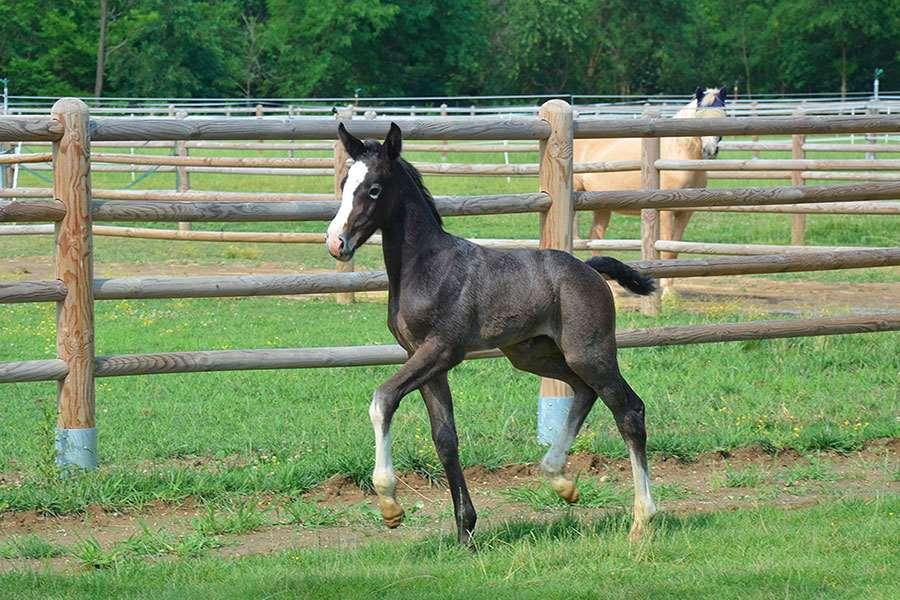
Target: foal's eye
(374,191)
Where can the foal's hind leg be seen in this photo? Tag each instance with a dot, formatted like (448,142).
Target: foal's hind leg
(542,357)
(628,411)
(439,403)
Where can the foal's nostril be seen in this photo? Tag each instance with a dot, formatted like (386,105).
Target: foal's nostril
(342,243)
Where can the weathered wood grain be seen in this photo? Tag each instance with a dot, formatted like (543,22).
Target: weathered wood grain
(687,198)
(238,285)
(74,265)
(29,129)
(33,370)
(212,161)
(30,211)
(32,291)
(625,128)
(798,220)
(832,208)
(797,163)
(26,192)
(556,156)
(351,356)
(114,210)
(781,263)
(12,159)
(207,196)
(127,129)
(748,249)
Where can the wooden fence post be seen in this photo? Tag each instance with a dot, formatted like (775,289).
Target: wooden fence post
(182,177)
(871,138)
(798,221)
(340,171)
(444,114)
(651,305)
(555,397)
(755,138)
(76,433)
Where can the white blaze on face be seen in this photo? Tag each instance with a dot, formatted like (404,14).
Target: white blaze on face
(355,177)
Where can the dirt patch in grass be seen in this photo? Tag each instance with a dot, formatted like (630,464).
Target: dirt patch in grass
(712,482)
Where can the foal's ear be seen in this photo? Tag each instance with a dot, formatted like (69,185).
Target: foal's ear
(393,143)
(352,145)
(698,94)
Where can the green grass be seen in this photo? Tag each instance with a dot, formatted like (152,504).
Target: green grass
(311,515)
(285,431)
(28,546)
(837,550)
(144,544)
(242,517)
(594,494)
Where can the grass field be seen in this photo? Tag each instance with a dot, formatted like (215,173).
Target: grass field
(231,441)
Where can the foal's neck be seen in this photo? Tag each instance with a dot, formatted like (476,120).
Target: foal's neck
(413,234)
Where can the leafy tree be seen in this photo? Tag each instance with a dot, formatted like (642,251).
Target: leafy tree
(48,48)
(186,48)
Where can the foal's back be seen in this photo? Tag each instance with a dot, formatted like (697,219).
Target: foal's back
(511,296)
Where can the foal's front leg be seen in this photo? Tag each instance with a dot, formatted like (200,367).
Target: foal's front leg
(427,361)
(439,403)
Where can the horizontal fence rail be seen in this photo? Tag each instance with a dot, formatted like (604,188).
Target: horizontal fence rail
(355,356)
(33,370)
(686,198)
(70,208)
(603,128)
(352,356)
(30,129)
(112,129)
(144,288)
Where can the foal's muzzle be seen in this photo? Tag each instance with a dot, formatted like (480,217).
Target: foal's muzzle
(339,248)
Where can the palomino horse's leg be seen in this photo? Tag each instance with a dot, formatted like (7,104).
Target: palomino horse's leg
(439,403)
(426,362)
(672,226)
(554,461)
(599,225)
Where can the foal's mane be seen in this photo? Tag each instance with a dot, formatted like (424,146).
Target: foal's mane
(420,185)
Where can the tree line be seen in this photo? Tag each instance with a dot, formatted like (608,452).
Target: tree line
(307,48)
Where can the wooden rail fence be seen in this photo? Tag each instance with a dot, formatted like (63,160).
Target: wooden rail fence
(73,209)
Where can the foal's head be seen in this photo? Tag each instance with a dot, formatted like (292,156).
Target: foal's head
(368,193)
(710,103)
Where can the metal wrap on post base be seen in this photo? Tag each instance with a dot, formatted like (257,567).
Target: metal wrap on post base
(76,435)
(76,448)
(555,397)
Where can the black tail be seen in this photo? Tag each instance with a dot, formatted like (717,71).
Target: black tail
(625,275)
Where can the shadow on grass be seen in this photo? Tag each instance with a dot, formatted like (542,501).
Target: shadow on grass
(614,525)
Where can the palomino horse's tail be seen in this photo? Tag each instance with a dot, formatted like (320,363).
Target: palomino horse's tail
(622,273)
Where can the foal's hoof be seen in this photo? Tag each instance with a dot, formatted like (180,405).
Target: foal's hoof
(566,489)
(391,512)
(640,527)
(638,531)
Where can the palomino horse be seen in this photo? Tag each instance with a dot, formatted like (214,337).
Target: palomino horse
(706,103)
(550,313)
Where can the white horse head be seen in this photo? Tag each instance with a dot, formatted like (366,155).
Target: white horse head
(707,103)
